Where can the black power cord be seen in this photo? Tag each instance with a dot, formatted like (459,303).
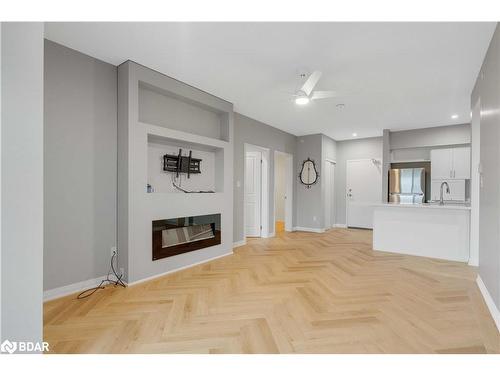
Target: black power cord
(107,280)
(174,179)
(188,191)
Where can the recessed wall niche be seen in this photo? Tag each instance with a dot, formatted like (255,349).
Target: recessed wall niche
(169,110)
(211,177)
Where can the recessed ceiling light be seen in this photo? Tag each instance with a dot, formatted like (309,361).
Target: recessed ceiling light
(301,100)
(354,134)
(454,117)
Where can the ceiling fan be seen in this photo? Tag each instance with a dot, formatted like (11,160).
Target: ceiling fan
(306,93)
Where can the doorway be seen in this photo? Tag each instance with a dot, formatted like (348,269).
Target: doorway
(256,196)
(363,191)
(329,193)
(283,192)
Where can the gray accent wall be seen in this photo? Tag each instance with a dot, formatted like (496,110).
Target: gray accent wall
(309,208)
(22,181)
(366,148)
(247,130)
(487,91)
(80,158)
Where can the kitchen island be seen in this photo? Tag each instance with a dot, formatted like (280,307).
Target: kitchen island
(425,229)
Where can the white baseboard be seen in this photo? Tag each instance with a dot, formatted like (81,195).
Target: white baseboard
(340,226)
(239,243)
(178,269)
(269,235)
(473,262)
(305,229)
(66,290)
(495,313)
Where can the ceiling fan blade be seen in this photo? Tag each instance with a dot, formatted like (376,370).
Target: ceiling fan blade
(311,82)
(324,94)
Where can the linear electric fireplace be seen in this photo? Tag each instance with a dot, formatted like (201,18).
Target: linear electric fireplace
(184,234)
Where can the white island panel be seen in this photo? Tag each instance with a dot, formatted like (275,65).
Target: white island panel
(429,231)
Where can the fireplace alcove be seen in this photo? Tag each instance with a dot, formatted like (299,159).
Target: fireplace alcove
(159,115)
(184,234)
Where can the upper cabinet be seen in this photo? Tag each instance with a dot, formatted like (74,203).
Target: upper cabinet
(450,163)
(461,163)
(441,163)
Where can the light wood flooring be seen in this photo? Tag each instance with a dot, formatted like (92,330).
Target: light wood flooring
(295,293)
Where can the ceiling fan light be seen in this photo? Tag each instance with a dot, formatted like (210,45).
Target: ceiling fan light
(302,100)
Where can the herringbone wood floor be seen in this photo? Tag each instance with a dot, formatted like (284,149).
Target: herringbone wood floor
(296,293)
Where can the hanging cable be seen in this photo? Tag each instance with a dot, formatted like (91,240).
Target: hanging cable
(111,269)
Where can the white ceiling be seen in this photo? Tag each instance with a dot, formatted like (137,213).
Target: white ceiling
(396,75)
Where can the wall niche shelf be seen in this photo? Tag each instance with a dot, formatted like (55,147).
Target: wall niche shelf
(159,115)
(162,141)
(172,110)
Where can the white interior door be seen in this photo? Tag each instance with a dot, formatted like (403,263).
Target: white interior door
(253,175)
(329,194)
(364,189)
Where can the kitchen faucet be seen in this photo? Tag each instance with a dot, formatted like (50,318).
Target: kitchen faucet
(441,201)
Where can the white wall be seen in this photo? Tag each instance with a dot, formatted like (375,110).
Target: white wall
(22,181)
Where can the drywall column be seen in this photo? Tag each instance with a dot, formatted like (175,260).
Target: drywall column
(309,207)
(475,186)
(486,90)
(386,163)
(22,181)
(0,182)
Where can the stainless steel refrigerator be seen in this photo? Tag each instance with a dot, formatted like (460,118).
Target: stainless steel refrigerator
(407,185)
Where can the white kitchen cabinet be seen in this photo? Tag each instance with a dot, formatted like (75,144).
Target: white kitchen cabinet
(461,163)
(441,163)
(450,163)
(457,190)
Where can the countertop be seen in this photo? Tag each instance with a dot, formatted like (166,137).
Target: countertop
(433,206)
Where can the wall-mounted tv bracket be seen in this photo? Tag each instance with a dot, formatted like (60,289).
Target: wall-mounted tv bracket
(181,164)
